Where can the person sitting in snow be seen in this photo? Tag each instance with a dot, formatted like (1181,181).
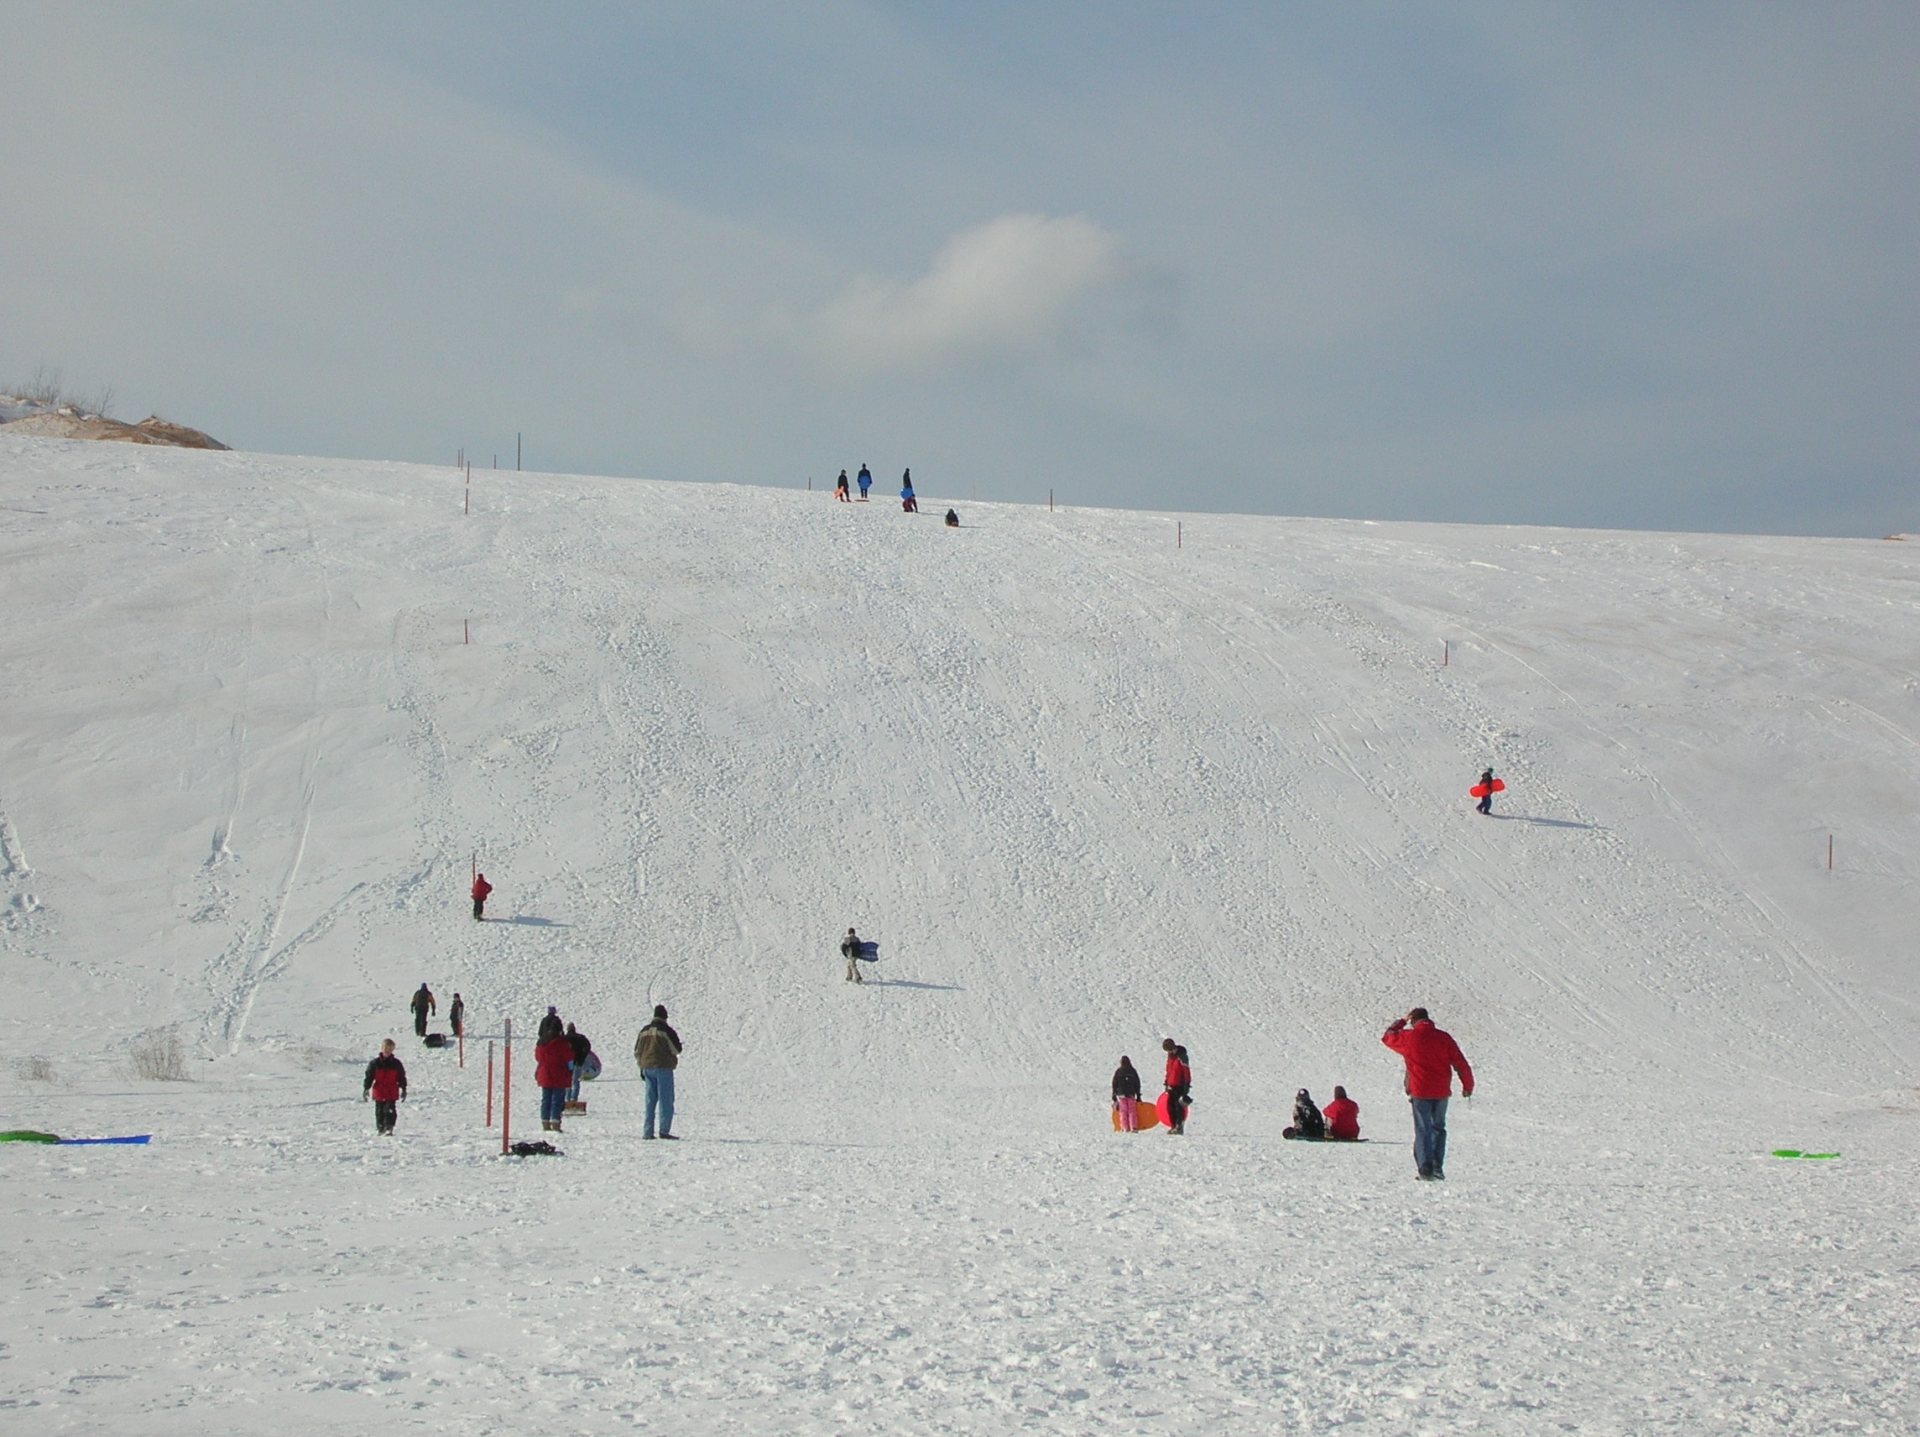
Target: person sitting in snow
(1308,1123)
(1343,1118)
(953,520)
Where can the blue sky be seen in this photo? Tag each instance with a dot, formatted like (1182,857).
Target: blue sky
(1627,265)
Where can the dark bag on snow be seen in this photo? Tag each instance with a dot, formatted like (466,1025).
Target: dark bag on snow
(436,1040)
(540,1149)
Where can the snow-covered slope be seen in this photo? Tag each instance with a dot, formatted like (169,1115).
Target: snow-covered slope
(1087,787)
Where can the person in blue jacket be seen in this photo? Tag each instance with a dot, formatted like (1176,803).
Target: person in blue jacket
(866,483)
(907,501)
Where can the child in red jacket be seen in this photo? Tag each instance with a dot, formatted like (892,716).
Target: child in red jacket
(1179,1084)
(386,1084)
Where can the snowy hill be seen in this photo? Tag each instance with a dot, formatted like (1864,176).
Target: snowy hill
(1087,787)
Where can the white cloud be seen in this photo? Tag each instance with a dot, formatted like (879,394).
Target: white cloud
(1010,287)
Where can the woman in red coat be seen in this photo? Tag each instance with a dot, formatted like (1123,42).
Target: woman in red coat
(481,888)
(1343,1118)
(553,1071)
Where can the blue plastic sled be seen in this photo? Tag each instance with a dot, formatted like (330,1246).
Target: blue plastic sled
(74,1142)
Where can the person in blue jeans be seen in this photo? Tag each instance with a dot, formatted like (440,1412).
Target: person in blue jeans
(657,1051)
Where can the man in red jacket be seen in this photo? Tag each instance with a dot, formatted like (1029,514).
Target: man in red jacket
(481,888)
(1432,1058)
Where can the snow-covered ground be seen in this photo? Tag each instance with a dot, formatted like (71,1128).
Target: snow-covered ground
(1088,789)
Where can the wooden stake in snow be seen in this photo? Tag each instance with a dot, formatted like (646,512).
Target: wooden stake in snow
(1829,853)
(1446,651)
(489,1082)
(506,1089)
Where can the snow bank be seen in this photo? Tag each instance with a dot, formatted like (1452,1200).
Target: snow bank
(1088,789)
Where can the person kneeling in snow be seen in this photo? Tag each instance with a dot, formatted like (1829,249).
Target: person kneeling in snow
(1307,1121)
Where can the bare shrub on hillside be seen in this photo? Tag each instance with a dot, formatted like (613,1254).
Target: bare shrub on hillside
(48,390)
(157,1056)
(37,1070)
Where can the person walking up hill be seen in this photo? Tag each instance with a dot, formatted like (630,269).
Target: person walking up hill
(481,888)
(423,1005)
(1432,1058)
(657,1051)
(386,1084)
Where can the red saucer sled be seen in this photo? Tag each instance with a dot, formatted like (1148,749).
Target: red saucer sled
(1480,790)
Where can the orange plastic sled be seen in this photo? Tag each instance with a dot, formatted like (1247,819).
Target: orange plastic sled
(1143,1113)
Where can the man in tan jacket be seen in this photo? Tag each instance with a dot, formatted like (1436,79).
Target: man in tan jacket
(657,1051)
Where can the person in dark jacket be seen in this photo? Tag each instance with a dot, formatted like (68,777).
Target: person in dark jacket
(423,1005)
(657,1051)
(840,489)
(1432,1058)
(551,1026)
(907,499)
(850,950)
(1343,1118)
(1486,785)
(481,888)
(1308,1123)
(1126,1095)
(1179,1085)
(953,520)
(581,1046)
(457,1016)
(386,1084)
(552,1071)
(865,482)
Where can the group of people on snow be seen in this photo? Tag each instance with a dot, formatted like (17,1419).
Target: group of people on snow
(563,1057)
(909,501)
(1429,1054)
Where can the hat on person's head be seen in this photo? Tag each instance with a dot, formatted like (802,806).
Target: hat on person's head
(659,1010)
(1418,1015)
(553,1009)
(1166,1045)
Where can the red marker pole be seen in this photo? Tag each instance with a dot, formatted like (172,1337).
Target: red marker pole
(1446,651)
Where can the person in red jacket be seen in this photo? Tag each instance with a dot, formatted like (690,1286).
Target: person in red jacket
(386,1084)
(1432,1058)
(1343,1118)
(481,888)
(552,1071)
(1179,1083)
